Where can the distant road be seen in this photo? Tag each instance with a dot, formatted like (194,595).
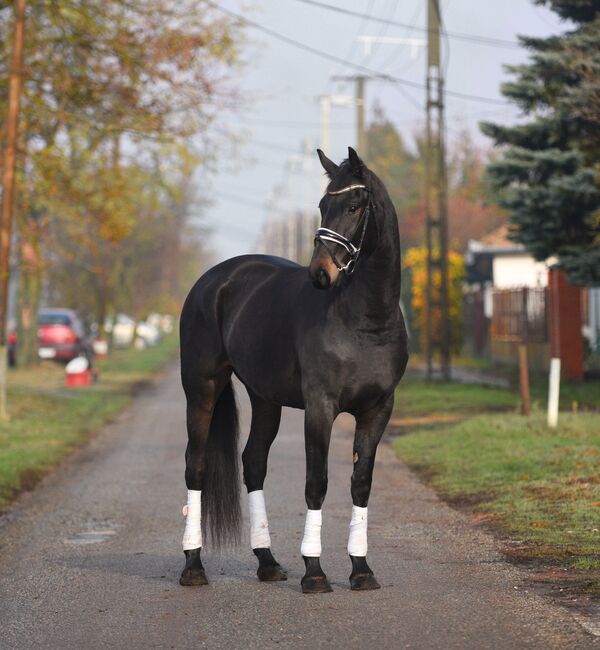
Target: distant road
(91,559)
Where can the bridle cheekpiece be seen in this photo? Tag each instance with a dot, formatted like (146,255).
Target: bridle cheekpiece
(324,235)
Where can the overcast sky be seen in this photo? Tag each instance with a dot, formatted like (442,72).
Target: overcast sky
(280,86)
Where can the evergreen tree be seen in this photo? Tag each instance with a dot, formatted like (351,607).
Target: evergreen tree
(548,175)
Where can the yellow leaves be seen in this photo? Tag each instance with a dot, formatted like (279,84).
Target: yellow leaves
(416,260)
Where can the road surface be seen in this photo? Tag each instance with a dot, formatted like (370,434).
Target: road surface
(91,558)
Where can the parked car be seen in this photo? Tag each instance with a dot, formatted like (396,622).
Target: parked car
(147,334)
(122,330)
(62,336)
(11,341)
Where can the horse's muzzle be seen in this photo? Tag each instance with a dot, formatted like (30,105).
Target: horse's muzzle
(323,273)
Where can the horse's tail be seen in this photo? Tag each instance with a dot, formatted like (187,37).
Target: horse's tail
(221,514)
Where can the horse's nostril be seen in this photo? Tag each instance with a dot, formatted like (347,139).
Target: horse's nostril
(322,279)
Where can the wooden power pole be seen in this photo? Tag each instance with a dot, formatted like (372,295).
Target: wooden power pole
(438,332)
(8,184)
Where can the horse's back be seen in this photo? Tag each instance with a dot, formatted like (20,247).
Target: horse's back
(241,310)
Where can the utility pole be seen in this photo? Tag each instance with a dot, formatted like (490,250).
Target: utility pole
(326,102)
(359,102)
(437,338)
(8,185)
(361,136)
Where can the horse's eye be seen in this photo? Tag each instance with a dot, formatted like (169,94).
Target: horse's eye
(353,208)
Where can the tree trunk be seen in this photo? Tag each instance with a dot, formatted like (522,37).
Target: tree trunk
(8,183)
(30,291)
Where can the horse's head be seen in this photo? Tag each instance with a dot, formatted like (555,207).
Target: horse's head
(345,212)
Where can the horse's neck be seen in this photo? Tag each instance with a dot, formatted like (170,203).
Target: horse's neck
(373,292)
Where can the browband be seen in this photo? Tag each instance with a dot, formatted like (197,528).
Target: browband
(347,189)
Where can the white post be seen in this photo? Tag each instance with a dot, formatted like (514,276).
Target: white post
(325,102)
(553,392)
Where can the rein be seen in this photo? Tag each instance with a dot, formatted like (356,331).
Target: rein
(324,235)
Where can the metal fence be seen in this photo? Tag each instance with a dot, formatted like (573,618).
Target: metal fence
(520,315)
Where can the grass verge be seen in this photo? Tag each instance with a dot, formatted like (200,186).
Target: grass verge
(417,397)
(540,487)
(48,421)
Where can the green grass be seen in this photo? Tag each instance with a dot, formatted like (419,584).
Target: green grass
(48,421)
(539,485)
(573,396)
(417,397)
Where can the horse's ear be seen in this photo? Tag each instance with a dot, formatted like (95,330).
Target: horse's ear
(328,165)
(356,164)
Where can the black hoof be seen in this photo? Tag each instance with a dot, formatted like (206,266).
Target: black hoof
(193,573)
(271,573)
(314,581)
(362,578)
(315,585)
(363,582)
(269,569)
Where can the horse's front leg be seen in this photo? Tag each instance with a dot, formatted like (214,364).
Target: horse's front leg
(317,434)
(369,429)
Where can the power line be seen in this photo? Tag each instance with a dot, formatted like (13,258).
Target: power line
(407,96)
(294,123)
(360,26)
(392,56)
(337,59)
(260,143)
(382,32)
(481,40)
(242,200)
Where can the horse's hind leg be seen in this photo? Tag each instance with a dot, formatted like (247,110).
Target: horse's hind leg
(263,429)
(201,400)
(369,429)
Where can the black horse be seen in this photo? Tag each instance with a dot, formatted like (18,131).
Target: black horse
(328,340)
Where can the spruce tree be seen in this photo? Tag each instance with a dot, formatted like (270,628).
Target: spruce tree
(548,174)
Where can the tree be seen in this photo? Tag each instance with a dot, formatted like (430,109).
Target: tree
(111,88)
(472,210)
(402,173)
(548,174)
(415,260)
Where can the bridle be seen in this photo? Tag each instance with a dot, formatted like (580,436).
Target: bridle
(324,235)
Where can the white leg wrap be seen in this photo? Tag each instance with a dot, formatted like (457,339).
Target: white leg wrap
(192,536)
(311,542)
(357,539)
(259,524)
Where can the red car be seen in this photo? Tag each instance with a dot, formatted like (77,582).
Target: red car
(61,335)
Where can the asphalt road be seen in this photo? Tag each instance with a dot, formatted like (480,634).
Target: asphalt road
(92,557)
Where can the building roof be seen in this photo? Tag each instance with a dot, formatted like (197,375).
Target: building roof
(496,241)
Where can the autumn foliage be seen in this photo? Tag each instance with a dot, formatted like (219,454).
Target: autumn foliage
(415,260)
(117,110)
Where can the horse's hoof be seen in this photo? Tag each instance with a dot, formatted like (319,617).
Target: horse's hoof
(315,585)
(193,573)
(363,582)
(193,578)
(271,573)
